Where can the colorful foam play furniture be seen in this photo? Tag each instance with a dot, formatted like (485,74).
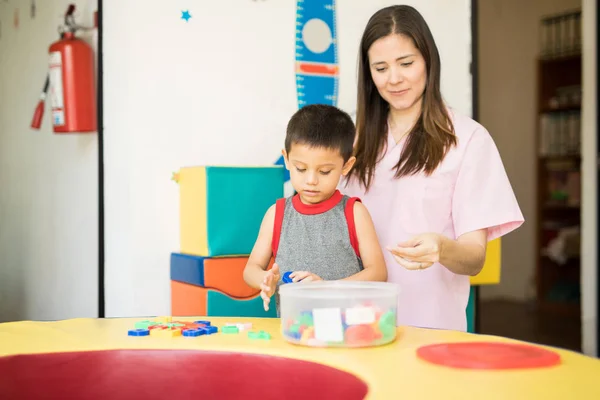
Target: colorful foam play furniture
(489,275)
(221,209)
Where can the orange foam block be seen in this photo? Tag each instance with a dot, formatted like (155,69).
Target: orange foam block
(188,300)
(227,276)
(224,274)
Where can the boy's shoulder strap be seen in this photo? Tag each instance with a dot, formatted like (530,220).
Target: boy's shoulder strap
(279,211)
(349,212)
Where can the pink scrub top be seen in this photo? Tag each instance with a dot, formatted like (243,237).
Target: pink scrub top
(469,191)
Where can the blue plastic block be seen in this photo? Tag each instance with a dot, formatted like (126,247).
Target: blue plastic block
(193,332)
(210,329)
(138,332)
(293,335)
(207,323)
(286,277)
(187,269)
(237,199)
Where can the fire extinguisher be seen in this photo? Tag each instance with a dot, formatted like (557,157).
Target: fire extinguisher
(70,82)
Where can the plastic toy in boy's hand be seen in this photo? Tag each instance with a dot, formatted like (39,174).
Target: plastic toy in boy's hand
(300,276)
(286,277)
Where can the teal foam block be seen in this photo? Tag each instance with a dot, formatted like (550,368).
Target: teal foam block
(220,305)
(471,310)
(237,199)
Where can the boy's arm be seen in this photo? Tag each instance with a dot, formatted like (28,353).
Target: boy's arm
(261,254)
(369,247)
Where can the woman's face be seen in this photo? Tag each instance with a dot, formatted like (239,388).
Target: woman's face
(398,70)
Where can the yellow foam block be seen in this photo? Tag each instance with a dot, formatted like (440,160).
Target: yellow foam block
(221,208)
(192,210)
(490,274)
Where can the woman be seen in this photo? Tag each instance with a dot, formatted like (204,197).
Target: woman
(432,179)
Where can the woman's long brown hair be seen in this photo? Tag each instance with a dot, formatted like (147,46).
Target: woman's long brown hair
(432,135)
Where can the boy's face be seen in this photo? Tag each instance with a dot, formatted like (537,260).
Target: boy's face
(315,172)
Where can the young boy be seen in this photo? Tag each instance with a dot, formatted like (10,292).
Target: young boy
(318,233)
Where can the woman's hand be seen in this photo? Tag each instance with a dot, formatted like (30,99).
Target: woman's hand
(304,276)
(420,252)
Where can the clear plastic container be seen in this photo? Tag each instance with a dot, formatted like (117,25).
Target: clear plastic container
(339,313)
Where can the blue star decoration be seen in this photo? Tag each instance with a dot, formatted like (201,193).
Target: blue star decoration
(186,15)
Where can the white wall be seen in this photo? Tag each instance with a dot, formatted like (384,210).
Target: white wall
(218,89)
(508,49)
(589,217)
(48,183)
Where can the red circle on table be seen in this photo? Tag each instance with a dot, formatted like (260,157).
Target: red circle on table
(172,374)
(488,355)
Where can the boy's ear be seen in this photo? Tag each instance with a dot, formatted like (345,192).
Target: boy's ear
(348,166)
(285,158)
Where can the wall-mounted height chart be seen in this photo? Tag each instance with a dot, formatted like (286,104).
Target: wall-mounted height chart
(317,69)
(316,52)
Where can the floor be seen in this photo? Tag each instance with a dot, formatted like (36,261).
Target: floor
(521,321)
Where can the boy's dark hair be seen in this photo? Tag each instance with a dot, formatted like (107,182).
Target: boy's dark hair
(320,125)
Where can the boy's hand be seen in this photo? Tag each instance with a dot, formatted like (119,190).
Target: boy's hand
(304,276)
(269,284)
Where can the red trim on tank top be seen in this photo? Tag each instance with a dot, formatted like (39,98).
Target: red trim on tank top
(349,212)
(279,210)
(312,209)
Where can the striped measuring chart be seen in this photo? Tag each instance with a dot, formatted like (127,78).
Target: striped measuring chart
(317,72)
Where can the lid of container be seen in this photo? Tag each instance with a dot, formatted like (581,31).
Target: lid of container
(340,289)
(488,355)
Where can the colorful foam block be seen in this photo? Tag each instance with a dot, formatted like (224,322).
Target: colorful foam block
(227,275)
(221,305)
(190,301)
(188,269)
(224,274)
(490,274)
(187,300)
(221,208)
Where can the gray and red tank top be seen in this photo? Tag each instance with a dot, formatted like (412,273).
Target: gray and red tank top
(319,238)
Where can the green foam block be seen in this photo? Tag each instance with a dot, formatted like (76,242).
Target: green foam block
(237,200)
(221,305)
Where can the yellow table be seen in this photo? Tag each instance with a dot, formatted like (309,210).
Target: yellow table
(391,372)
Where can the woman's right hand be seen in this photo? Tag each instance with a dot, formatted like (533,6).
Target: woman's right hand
(269,285)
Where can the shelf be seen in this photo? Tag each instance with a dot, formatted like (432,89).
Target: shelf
(550,60)
(560,158)
(572,262)
(562,207)
(561,109)
(558,172)
(566,309)
(558,131)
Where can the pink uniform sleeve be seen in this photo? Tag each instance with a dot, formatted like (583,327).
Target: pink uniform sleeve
(483,196)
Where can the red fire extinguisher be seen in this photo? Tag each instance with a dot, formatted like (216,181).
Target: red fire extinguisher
(70,82)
